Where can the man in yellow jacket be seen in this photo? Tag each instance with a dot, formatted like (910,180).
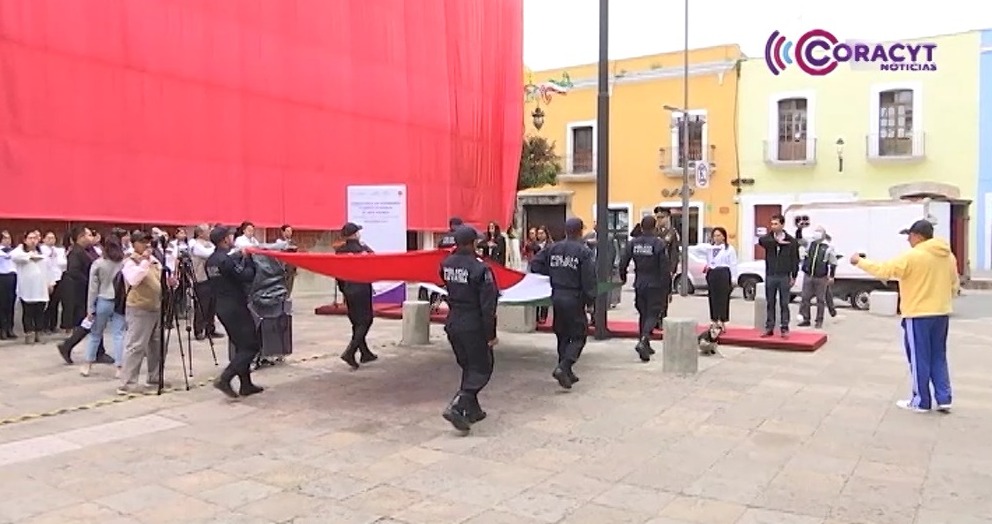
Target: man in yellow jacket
(928,283)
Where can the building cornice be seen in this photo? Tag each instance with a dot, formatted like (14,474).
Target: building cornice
(662,73)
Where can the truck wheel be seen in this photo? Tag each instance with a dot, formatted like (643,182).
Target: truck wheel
(749,285)
(678,286)
(861,299)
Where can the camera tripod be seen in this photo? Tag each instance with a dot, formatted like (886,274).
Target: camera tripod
(179,304)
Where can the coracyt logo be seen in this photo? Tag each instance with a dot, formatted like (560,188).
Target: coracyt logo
(819,52)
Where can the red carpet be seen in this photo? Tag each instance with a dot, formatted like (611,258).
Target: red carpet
(733,336)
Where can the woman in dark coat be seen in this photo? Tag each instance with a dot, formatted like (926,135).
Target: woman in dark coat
(75,284)
(494,245)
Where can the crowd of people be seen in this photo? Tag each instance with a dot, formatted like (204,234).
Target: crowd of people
(116,290)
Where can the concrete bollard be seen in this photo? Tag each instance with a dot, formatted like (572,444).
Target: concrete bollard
(680,353)
(516,319)
(416,323)
(884,303)
(760,307)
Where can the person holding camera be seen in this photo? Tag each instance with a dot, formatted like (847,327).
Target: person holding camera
(819,267)
(142,273)
(229,273)
(781,270)
(205,316)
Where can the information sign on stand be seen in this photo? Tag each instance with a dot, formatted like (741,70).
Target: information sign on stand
(381,211)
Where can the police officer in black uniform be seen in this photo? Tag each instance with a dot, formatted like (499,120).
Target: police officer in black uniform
(470,325)
(572,269)
(668,233)
(447,242)
(652,281)
(358,299)
(229,277)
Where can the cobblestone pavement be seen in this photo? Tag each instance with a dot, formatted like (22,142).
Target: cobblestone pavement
(756,437)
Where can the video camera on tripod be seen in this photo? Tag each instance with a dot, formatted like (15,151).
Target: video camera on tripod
(179,302)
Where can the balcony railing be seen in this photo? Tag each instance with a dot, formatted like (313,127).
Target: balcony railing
(790,152)
(580,165)
(896,146)
(672,167)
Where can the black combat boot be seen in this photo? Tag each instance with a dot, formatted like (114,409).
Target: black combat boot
(457,415)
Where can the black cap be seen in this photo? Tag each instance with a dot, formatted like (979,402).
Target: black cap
(218,234)
(921,227)
(140,236)
(454,222)
(465,236)
(648,223)
(662,210)
(350,228)
(573,225)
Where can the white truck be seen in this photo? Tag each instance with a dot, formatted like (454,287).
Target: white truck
(869,226)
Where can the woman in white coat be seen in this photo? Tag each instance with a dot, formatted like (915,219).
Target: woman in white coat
(33,279)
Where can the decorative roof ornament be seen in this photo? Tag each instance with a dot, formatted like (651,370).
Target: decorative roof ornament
(546,90)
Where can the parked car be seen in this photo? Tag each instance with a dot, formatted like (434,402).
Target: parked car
(697,275)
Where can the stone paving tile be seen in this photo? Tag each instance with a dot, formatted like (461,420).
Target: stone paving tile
(757,437)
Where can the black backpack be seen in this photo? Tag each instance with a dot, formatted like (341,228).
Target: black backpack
(120,293)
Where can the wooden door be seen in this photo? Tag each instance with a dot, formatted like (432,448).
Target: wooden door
(959,234)
(550,216)
(762,217)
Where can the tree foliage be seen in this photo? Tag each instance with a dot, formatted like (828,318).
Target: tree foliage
(539,164)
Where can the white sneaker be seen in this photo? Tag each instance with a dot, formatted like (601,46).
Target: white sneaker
(907,405)
(944,408)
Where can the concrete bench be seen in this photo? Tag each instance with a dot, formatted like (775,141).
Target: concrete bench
(416,323)
(680,353)
(884,303)
(516,319)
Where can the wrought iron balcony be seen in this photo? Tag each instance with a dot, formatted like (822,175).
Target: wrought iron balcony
(790,153)
(897,146)
(579,166)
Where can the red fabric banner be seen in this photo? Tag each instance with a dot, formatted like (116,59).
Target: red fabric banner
(182,112)
(414,266)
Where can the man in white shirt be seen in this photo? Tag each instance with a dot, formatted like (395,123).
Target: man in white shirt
(205,314)
(285,242)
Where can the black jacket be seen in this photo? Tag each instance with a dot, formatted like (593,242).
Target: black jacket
(780,259)
(651,264)
(230,277)
(353,247)
(570,266)
(472,294)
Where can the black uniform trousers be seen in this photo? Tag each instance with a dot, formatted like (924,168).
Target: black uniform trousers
(666,293)
(649,302)
(570,325)
(8,298)
(52,309)
(360,314)
(475,356)
(241,330)
(718,288)
(205,315)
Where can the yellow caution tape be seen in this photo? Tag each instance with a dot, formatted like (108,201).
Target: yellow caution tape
(131,396)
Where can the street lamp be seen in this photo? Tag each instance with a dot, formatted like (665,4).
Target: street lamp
(684,262)
(840,155)
(538,118)
(604,255)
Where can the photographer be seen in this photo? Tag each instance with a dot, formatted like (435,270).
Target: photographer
(819,267)
(229,273)
(142,273)
(204,317)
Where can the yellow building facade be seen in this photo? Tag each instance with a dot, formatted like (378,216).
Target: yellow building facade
(859,133)
(645,138)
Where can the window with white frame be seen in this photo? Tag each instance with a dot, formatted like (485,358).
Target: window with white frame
(895,122)
(689,131)
(792,130)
